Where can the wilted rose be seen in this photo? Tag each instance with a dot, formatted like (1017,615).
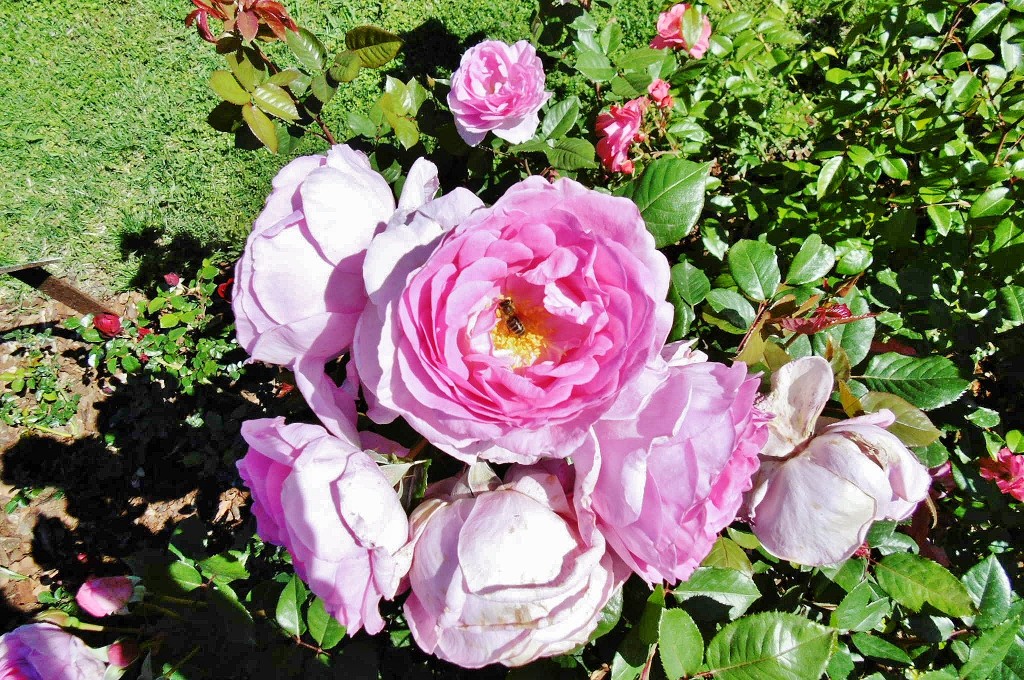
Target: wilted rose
(823,482)
(670,32)
(509,336)
(42,651)
(618,128)
(665,471)
(107,324)
(498,88)
(329,504)
(500,572)
(105,596)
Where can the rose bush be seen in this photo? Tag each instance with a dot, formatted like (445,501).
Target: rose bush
(327,501)
(823,482)
(670,32)
(433,346)
(498,88)
(42,651)
(500,572)
(665,471)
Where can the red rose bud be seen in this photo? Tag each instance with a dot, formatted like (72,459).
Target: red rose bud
(123,653)
(172,279)
(222,289)
(107,324)
(143,332)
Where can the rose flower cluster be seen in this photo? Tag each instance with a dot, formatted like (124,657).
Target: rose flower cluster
(531,334)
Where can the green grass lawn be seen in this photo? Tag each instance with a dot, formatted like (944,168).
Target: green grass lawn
(109,162)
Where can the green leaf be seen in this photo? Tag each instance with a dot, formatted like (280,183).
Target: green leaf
(771,646)
(560,118)
(345,67)
(755,268)
(861,609)
(169,320)
(670,195)
(1011,306)
(610,615)
(692,25)
(854,256)
(374,46)
(690,283)
(261,126)
(987,20)
(895,168)
(307,48)
(732,588)
(813,261)
(185,576)
(927,383)
(912,426)
(854,338)
(990,650)
(991,203)
(570,153)
(941,217)
(224,568)
(727,554)
(323,89)
(990,590)
(679,643)
(324,628)
(913,581)
(869,645)
(831,175)
(733,307)
(276,101)
(289,607)
(594,65)
(227,88)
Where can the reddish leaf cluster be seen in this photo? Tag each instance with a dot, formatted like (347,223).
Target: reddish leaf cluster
(825,316)
(244,16)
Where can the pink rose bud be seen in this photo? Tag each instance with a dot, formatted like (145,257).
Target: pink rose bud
(107,324)
(42,651)
(660,94)
(498,88)
(105,596)
(330,505)
(824,482)
(618,128)
(123,653)
(502,572)
(670,32)
(172,279)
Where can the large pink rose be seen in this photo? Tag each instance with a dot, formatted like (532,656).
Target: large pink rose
(500,572)
(618,128)
(670,32)
(666,470)
(498,88)
(822,482)
(439,346)
(298,285)
(42,651)
(330,505)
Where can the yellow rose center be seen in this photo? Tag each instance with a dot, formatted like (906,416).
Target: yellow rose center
(524,348)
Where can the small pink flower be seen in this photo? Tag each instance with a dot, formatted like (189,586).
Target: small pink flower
(123,653)
(107,324)
(498,88)
(670,32)
(172,279)
(618,128)
(1007,471)
(105,596)
(660,93)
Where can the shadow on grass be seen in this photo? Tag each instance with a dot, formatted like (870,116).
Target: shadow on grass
(158,255)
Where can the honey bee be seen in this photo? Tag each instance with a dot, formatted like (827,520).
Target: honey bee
(507,309)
